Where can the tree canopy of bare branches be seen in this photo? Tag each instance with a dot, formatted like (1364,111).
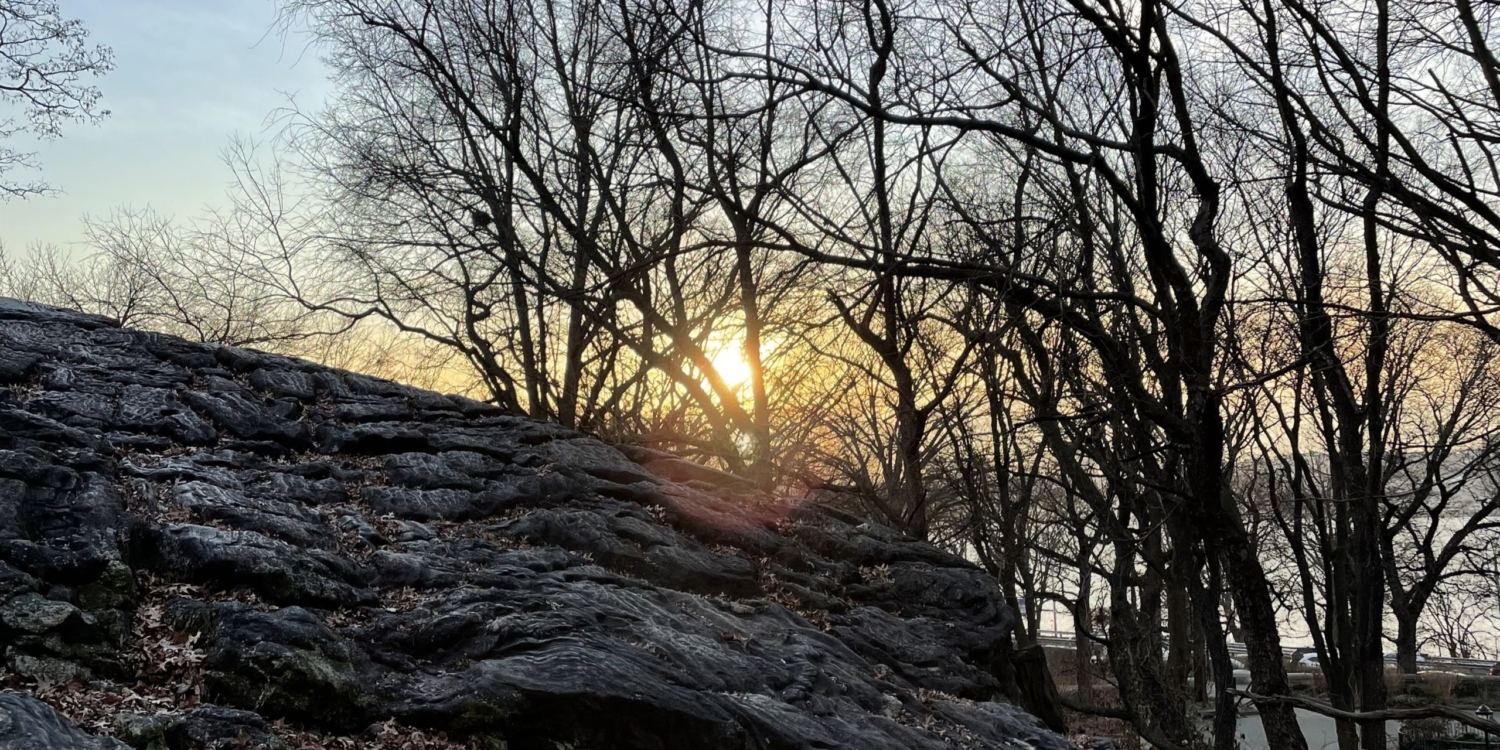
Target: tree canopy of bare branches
(45,61)
(1177,317)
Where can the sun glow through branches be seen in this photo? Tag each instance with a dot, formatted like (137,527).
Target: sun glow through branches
(730,363)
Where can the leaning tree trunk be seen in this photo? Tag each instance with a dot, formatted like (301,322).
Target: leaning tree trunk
(1220,528)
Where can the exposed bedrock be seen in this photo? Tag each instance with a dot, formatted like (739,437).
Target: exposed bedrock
(203,546)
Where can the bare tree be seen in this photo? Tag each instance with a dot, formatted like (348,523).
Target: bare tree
(1177,317)
(44,62)
(201,281)
(1116,128)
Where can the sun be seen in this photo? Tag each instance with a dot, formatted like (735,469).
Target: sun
(730,363)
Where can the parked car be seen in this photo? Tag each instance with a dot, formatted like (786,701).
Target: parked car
(1421,658)
(1310,661)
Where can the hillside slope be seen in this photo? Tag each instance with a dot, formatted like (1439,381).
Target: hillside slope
(211,547)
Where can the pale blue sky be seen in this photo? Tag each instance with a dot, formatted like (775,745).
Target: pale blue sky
(189,75)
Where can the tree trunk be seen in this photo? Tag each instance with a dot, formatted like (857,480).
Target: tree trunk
(567,406)
(1246,580)
(1216,647)
(1369,606)
(1083,647)
(1038,692)
(1221,529)
(1180,623)
(760,430)
(1406,643)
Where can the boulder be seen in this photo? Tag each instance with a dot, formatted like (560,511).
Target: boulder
(29,724)
(215,547)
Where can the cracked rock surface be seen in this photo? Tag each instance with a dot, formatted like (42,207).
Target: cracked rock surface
(203,546)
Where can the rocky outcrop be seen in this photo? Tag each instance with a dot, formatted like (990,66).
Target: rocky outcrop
(203,546)
(29,724)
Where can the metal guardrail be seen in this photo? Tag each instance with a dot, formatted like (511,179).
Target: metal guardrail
(1428,734)
(1065,639)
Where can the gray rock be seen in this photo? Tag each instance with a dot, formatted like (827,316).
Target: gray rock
(369,552)
(371,410)
(12,581)
(158,411)
(275,570)
(29,724)
(142,731)
(30,613)
(247,418)
(18,367)
(284,383)
(80,409)
(251,511)
(46,670)
(218,728)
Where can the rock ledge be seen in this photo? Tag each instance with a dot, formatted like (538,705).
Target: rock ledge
(204,546)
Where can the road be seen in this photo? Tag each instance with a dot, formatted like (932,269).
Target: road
(1318,729)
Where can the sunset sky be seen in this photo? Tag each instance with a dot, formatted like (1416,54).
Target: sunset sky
(189,75)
